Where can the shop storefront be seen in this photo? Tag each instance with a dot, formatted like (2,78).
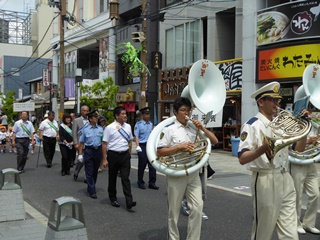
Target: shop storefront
(128,101)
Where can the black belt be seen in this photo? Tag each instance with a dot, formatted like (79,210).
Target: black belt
(143,144)
(49,137)
(22,138)
(123,152)
(92,147)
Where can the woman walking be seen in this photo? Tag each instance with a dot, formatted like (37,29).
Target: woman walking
(66,144)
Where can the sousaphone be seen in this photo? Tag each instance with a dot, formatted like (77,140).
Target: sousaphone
(311,88)
(206,91)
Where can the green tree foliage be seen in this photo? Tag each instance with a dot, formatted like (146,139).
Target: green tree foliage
(7,105)
(130,59)
(101,96)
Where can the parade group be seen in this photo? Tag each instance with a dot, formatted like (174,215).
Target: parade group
(277,185)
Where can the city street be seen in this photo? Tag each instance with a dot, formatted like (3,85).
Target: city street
(229,210)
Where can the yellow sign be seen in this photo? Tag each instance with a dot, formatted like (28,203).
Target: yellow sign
(286,62)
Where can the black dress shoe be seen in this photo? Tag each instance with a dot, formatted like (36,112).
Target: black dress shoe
(85,181)
(154,187)
(115,204)
(94,196)
(75,176)
(130,205)
(141,186)
(49,165)
(68,173)
(21,171)
(63,173)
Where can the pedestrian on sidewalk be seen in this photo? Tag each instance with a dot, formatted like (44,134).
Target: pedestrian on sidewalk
(177,137)
(22,133)
(90,145)
(49,134)
(273,192)
(77,125)
(117,138)
(142,130)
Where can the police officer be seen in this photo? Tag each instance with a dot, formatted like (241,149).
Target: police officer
(142,131)
(91,139)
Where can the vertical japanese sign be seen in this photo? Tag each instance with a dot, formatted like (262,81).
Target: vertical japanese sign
(69,87)
(45,77)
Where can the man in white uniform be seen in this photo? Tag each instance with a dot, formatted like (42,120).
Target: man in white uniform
(273,192)
(305,177)
(180,137)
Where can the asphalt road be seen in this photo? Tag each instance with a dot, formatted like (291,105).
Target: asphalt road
(230,213)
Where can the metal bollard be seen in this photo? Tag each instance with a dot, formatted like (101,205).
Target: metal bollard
(66,220)
(11,198)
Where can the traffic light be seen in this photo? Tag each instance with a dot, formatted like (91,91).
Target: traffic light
(138,36)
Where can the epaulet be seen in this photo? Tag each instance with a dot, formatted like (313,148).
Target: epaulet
(252,120)
(170,124)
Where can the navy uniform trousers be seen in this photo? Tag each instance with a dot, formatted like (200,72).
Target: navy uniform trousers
(92,158)
(143,161)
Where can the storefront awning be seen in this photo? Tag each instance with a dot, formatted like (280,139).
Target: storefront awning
(68,105)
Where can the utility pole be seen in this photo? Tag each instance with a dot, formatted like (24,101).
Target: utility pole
(143,55)
(62,18)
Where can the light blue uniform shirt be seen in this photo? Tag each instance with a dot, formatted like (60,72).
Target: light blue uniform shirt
(20,133)
(142,130)
(91,136)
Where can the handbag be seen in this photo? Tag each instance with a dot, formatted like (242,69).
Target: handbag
(210,171)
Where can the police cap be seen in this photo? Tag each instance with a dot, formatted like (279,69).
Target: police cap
(93,113)
(145,110)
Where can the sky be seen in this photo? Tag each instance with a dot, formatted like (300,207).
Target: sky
(17,5)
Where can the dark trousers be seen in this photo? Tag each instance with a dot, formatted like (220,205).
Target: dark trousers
(119,162)
(92,159)
(66,158)
(143,161)
(22,146)
(49,148)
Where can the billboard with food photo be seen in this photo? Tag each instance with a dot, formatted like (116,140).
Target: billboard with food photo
(290,21)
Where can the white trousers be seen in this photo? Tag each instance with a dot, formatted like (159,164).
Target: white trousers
(176,188)
(306,177)
(274,205)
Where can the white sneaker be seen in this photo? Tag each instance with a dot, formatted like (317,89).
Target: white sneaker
(204,216)
(301,230)
(312,230)
(32,152)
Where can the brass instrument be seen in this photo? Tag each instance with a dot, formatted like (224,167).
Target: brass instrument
(206,91)
(288,129)
(309,88)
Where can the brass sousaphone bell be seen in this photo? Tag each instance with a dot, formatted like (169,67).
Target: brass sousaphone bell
(206,91)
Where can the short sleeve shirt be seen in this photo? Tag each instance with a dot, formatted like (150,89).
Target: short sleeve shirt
(91,136)
(116,142)
(176,133)
(142,130)
(251,138)
(47,130)
(20,133)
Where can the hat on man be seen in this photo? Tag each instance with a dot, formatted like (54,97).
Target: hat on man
(145,110)
(102,119)
(269,90)
(93,113)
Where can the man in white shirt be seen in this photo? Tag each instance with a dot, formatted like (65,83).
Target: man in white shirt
(49,134)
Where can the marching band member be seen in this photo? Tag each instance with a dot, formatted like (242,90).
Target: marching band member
(273,193)
(180,137)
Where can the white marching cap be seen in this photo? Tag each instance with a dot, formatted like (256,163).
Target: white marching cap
(269,90)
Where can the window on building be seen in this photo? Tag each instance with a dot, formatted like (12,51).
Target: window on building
(183,45)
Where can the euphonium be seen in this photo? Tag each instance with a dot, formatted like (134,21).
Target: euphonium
(206,91)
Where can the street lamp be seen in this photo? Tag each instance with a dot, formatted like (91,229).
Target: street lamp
(77,93)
